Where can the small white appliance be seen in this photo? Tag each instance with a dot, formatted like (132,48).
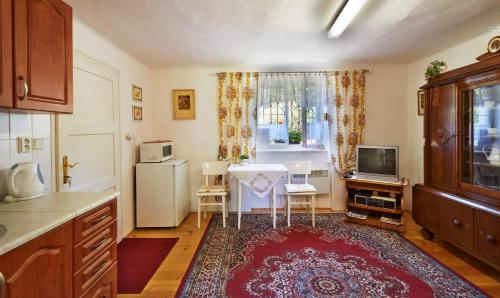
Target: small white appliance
(157,151)
(162,193)
(24,182)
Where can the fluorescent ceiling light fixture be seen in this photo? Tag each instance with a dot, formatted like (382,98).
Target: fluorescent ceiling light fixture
(348,13)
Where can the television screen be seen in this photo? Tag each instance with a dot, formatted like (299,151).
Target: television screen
(378,160)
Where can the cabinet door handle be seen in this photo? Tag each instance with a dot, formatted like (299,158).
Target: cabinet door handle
(456,223)
(25,88)
(490,238)
(95,246)
(98,269)
(98,220)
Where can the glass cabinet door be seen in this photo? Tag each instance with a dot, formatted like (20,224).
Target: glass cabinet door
(480,118)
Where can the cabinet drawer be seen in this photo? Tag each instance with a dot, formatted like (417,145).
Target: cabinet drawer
(92,221)
(89,248)
(456,224)
(93,272)
(106,287)
(487,237)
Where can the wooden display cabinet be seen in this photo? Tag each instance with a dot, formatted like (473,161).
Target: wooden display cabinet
(460,197)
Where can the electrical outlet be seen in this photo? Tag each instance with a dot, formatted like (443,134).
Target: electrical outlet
(24,144)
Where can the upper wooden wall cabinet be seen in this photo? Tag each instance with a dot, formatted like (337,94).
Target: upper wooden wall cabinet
(37,55)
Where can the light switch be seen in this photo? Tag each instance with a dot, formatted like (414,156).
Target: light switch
(37,144)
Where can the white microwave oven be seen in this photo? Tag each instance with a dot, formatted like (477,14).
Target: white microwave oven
(156,151)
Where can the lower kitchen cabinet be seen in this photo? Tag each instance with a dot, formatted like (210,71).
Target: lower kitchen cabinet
(42,267)
(76,259)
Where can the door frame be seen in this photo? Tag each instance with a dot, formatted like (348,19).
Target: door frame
(78,55)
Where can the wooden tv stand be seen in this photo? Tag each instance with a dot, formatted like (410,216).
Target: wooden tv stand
(383,188)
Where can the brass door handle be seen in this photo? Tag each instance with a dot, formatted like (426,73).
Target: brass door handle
(66,165)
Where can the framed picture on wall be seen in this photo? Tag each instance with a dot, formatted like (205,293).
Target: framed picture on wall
(137,113)
(420,102)
(136,93)
(184,104)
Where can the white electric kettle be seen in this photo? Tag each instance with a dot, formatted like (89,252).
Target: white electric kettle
(24,181)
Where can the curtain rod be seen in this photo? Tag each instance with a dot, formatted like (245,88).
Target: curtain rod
(311,72)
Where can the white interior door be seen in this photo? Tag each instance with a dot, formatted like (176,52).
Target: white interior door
(90,136)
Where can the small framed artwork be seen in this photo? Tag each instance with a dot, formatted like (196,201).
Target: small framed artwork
(184,104)
(136,93)
(420,102)
(137,113)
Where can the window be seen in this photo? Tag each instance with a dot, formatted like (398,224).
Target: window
(290,110)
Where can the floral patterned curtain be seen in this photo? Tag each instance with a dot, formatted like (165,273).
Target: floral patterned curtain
(236,101)
(348,115)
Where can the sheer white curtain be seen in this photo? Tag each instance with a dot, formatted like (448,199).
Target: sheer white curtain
(291,108)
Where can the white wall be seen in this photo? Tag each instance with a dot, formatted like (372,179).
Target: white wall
(14,124)
(131,71)
(197,139)
(457,56)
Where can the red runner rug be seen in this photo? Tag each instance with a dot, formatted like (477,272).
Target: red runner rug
(335,259)
(138,260)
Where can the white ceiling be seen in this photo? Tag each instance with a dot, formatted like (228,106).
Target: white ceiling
(282,33)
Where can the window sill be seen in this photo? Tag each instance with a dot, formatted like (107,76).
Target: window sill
(290,149)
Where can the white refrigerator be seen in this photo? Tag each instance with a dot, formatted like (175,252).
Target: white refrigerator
(162,193)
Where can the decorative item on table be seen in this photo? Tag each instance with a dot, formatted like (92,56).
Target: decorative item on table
(24,182)
(184,104)
(136,93)
(137,113)
(420,102)
(243,159)
(434,69)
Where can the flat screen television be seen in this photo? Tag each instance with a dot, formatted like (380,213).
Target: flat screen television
(379,161)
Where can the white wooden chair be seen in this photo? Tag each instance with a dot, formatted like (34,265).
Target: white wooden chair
(213,168)
(305,189)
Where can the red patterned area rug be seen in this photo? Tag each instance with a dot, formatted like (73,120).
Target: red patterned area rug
(334,259)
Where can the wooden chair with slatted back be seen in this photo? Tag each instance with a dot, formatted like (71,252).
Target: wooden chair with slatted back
(213,168)
(305,190)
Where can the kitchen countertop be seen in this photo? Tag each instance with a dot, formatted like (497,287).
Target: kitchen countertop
(23,221)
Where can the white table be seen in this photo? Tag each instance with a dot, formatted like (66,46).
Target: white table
(261,178)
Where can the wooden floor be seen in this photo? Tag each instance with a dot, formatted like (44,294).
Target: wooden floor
(167,279)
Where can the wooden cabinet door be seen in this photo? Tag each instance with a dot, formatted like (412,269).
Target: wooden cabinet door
(41,268)
(487,237)
(425,209)
(456,224)
(6,54)
(441,138)
(43,52)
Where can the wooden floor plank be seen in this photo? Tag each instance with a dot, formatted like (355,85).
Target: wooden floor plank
(168,277)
